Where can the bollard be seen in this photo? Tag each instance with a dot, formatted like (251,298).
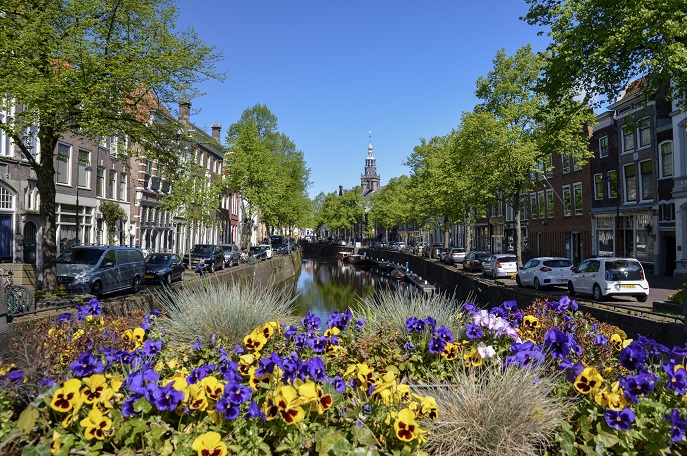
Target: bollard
(4,328)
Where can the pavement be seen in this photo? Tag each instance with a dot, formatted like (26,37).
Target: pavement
(660,287)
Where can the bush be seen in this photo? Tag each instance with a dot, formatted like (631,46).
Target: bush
(679,296)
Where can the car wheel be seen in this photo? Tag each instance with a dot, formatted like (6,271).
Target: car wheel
(97,290)
(571,290)
(212,267)
(537,285)
(135,284)
(517,281)
(181,277)
(596,291)
(168,279)
(493,274)
(642,298)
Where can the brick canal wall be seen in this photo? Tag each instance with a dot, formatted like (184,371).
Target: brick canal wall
(487,293)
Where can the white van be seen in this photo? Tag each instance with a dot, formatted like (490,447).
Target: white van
(98,270)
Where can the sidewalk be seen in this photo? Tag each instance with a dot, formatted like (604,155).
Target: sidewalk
(660,287)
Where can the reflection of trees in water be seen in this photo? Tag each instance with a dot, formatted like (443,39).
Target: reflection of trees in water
(326,286)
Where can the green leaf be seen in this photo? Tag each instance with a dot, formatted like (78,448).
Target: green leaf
(27,419)
(42,449)
(362,435)
(604,437)
(333,444)
(142,406)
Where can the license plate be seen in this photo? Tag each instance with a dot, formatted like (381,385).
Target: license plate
(511,275)
(627,286)
(150,276)
(62,288)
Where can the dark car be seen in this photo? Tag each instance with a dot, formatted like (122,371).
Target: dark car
(473,260)
(211,254)
(164,268)
(232,254)
(259,252)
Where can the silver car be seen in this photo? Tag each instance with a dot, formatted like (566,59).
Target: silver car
(455,256)
(232,255)
(502,265)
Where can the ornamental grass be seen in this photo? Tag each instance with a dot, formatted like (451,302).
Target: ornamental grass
(203,310)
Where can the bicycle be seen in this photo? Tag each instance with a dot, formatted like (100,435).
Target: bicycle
(19,298)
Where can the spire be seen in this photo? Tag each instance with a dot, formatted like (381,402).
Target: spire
(369,147)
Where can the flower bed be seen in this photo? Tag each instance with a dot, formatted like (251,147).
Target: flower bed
(399,375)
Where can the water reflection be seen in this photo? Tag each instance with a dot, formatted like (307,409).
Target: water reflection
(327,285)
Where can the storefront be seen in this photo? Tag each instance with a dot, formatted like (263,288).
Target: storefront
(625,234)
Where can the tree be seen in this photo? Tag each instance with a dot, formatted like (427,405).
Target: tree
(599,46)
(392,204)
(93,69)
(343,212)
(112,213)
(510,134)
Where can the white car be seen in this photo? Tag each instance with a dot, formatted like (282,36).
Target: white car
(544,272)
(602,277)
(500,265)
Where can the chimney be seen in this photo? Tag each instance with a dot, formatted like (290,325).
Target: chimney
(340,190)
(216,129)
(185,111)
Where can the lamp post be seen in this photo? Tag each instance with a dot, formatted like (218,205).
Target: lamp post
(88,169)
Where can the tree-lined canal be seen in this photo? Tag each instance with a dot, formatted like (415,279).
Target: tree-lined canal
(326,285)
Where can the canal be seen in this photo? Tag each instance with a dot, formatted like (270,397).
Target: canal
(326,285)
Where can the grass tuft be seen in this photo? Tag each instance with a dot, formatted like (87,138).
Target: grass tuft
(494,411)
(229,311)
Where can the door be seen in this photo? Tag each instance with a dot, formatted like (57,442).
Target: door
(30,243)
(669,249)
(6,235)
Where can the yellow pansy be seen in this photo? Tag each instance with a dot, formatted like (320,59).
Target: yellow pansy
(255,340)
(589,381)
(473,358)
(209,444)
(67,397)
(213,388)
(613,399)
(405,427)
(286,400)
(95,385)
(139,337)
(97,425)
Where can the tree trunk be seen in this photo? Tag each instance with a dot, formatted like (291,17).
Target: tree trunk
(468,233)
(518,230)
(46,188)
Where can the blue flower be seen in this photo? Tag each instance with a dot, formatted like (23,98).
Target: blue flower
(677,433)
(557,343)
(165,398)
(359,323)
(444,334)
(319,344)
(408,346)
(473,331)
(316,368)
(431,323)
(86,364)
(128,405)
(81,312)
(237,393)
(254,411)
(436,345)
(633,357)
(640,384)
(620,419)
(228,409)
(414,325)
(311,322)
(291,332)
(677,378)
(64,317)
(600,339)
(198,345)
(339,384)
(94,308)
(152,348)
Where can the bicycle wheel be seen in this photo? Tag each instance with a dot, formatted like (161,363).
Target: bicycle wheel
(13,301)
(25,296)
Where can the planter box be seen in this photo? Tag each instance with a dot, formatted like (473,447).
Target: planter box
(667,307)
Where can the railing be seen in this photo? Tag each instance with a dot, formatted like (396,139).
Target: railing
(18,299)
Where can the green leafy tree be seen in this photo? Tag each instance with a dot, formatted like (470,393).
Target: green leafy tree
(599,46)
(113,214)
(512,131)
(91,69)
(392,205)
(343,212)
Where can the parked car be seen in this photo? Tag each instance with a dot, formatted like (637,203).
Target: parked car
(164,268)
(603,277)
(98,270)
(501,265)
(211,254)
(260,252)
(544,272)
(232,254)
(456,256)
(443,253)
(473,260)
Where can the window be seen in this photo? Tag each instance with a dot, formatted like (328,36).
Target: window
(149,167)
(666,212)
(628,139)
(566,164)
(598,186)
(100,182)
(6,198)
(62,171)
(577,190)
(533,205)
(630,172)
(549,165)
(84,162)
(549,203)
(603,146)
(112,184)
(542,205)
(612,184)
(122,186)
(666,158)
(567,203)
(523,207)
(646,182)
(644,133)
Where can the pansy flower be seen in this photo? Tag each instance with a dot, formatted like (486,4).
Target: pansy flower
(558,343)
(95,385)
(678,425)
(97,425)
(530,322)
(633,356)
(613,399)
(286,401)
(450,351)
(405,427)
(210,444)
(67,397)
(589,381)
(414,325)
(473,358)
(255,340)
(472,331)
(620,419)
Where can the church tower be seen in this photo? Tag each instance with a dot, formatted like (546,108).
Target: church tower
(369,180)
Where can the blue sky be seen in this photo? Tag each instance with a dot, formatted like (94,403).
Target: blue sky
(334,71)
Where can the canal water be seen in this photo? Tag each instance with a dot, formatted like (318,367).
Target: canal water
(328,285)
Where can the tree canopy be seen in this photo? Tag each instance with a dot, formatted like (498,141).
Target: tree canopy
(599,46)
(93,69)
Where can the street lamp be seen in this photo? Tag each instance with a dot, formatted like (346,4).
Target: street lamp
(88,169)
